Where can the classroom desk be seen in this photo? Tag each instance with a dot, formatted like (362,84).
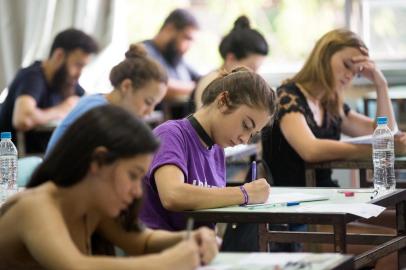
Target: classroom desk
(45,129)
(339,237)
(273,261)
(154,119)
(362,165)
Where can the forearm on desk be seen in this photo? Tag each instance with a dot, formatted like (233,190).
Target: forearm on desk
(190,197)
(328,150)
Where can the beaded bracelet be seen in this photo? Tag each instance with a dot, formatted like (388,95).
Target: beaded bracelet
(245,194)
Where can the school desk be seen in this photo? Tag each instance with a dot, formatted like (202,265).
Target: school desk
(385,244)
(362,165)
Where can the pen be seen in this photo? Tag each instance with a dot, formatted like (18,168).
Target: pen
(271,205)
(253,170)
(189,227)
(356,191)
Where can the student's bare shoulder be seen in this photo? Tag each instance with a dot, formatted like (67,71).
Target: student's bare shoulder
(33,199)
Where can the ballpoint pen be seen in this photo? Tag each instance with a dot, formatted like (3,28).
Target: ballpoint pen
(271,205)
(189,227)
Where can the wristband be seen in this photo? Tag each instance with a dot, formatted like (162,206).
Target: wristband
(245,194)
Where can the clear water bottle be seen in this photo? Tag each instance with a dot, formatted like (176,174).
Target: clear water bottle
(383,157)
(8,166)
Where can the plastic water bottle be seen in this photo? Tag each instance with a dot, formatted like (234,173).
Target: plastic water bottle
(383,157)
(8,166)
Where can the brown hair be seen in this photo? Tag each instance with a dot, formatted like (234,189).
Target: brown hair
(138,67)
(317,68)
(243,87)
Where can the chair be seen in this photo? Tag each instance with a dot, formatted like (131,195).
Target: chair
(26,167)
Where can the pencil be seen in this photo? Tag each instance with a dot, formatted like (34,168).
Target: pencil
(189,227)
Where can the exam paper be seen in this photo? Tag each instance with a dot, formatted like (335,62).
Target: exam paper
(367,139)
(294,197)
(274,261)
(257,261)
(365,210)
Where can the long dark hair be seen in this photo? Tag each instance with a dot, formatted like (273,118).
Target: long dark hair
(123,135)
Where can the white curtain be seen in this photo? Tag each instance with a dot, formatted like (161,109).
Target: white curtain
(27,28)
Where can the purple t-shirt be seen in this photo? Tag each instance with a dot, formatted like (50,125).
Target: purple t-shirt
(180,146)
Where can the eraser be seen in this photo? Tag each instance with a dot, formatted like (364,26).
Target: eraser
(348,194)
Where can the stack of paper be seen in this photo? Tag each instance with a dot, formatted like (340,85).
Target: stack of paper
(365,210)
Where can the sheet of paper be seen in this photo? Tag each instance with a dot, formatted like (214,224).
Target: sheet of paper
(273,261)
(367,139)
(294,197)
(257,261)
(365,210)
(265,259)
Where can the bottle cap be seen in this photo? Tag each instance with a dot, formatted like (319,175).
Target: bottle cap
(382,120)
(5,135)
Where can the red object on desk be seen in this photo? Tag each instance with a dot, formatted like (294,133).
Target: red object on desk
(348,194)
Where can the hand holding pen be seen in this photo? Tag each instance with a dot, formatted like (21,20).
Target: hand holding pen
(205,239)
(258,190)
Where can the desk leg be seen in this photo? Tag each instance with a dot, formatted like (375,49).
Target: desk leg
(310,177)
(401,231)
(340,237)
(262,237)
(363,178)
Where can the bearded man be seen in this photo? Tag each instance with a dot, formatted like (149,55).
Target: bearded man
(47,90)
(168,47)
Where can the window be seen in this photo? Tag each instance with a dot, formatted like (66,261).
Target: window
(384,30)
(291,28)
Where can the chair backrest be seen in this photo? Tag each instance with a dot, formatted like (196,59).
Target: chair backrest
(26,167)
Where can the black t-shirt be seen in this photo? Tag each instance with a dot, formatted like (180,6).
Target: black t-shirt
(287,167)
(31,81)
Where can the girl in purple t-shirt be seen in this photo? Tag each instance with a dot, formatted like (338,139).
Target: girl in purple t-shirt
(188,171)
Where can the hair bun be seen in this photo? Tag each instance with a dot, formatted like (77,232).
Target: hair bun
(242,22)
(136,51)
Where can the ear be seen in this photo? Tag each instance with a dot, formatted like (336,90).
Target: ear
(98,159)
(58,56)
(125,86)
(222,102)
(170,28)
(230,57)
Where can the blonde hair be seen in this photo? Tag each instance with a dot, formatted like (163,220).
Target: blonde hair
(317,68)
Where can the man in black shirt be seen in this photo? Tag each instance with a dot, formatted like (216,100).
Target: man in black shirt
(168,47)
(47,90)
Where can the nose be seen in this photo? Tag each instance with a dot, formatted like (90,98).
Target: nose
(148,110)
(244,138)
(349,75)
(137,190)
